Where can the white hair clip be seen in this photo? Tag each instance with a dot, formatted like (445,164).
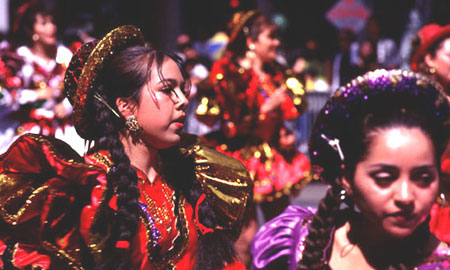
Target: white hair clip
(334,143)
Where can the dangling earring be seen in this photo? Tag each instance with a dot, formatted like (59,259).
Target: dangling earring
(343,195)
(132,124)
(442,200)
(35,37)
(432,70)
(251,47)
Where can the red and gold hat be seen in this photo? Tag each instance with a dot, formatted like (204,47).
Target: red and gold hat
(428,35)
(84,68)
(239,20)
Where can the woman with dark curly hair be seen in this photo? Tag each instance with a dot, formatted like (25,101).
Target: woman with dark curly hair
(146,196)
(377,143)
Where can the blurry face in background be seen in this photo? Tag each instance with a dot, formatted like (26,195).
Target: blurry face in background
(397,183)
(267,44)
(441,62)
(44,30)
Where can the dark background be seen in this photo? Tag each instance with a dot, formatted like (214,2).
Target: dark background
(163,20)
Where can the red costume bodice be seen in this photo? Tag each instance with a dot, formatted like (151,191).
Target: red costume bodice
(50,197)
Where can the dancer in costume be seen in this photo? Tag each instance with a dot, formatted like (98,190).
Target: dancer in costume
(254,102)
(431,56)
(377,143)
(251,103)
(43,109)
(145,197)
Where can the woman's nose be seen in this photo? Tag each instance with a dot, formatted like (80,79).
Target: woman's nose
(404,192)
(181,100)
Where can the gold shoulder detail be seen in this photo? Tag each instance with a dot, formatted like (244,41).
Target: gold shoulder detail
(225,181)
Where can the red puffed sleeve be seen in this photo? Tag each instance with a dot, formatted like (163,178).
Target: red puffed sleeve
(45,185)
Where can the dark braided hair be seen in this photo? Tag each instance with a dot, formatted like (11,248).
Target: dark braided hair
(379,100)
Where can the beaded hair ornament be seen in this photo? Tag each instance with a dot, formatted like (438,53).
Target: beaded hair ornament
(84,68)
(378,92)
(239,21)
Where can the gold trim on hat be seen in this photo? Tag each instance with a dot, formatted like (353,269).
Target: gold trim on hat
(114,42)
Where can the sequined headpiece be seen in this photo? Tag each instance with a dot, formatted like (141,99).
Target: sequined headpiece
(84,68)
(238,22)
(378,93)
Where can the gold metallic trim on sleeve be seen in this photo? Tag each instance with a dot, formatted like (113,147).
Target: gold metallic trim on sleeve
(226,183)
(103,160)
(63,255)
(54,152)
(13,219)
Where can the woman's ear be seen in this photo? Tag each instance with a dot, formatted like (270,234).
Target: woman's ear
(250,43)
(346,185)
(429,60)
(126,107)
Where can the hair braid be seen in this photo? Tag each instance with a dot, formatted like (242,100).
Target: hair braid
(320,230)
(122,180)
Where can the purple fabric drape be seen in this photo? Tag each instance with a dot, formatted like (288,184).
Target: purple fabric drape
(282,236)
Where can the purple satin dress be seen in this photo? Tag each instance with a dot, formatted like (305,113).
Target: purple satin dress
(284,236)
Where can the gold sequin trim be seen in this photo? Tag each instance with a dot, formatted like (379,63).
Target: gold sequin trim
(63,255)
(103,160)
(113,42)
(13,219)
(288,190)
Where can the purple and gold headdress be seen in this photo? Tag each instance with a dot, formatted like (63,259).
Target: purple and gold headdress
(380,92)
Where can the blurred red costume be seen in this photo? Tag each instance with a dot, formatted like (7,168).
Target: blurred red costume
(50,197)
(440,213)
(249,135)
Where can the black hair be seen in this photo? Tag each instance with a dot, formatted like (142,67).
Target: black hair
(377,101)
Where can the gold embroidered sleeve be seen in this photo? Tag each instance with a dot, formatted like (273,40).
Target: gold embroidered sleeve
(44,185)
(226,183)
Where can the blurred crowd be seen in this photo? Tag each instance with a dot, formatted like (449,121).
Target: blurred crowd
(34,58)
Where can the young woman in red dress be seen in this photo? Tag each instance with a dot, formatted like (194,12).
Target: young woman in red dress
(145,197)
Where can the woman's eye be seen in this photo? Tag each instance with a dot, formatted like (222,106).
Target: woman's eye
(167,90)
(186,90)
(383,177)
(424,177)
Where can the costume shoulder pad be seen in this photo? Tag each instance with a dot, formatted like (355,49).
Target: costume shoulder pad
(225,181)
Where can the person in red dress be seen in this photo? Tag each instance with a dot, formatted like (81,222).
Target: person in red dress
(431,56)
(252,102)
(146,196)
